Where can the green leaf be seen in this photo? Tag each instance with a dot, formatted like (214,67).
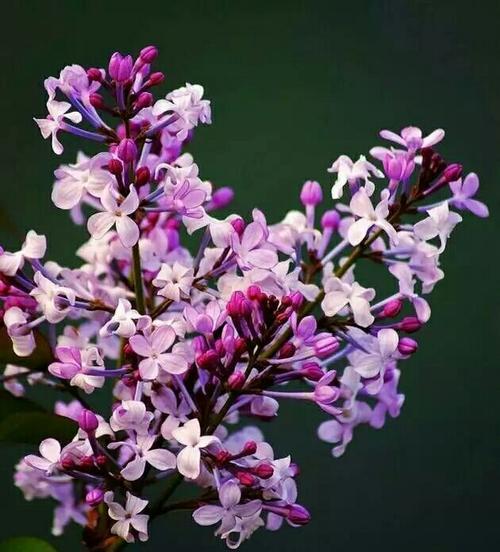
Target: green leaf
(39,359)
(12,405)
(26,544)
(33,427)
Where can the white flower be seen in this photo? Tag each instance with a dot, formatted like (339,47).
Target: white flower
(48,462)
(131,415)
(159,458)
(23,341)
(128,517)
(174,280)
(116,215)
(362,207)
(152,347)
(34,247)
(54,300)
(339,294)
(349,171)
(229,511)
(122,321)
(55,122)
(440,222)
(189,458)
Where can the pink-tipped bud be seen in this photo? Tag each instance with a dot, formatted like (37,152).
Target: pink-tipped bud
(155,79)
(298,515)
(312,371)
(407,346)
(222,197)
(88,421)
(263,470)
(208,360)
(148,54)
(410,324)
(120,67)
(330,219)
(326,346)
(452,172)
(287,351)
(142,176)
(239,225)
(86,463)
(311,193)
(236,380)
(246,479)
(392,308)
(240,346)
(67,462)
(254,292)
(96,100)
(94,497)
(115,167)
(249,448)
(222,457)
(297,300)
(94,74)
(127,150)
(145,99)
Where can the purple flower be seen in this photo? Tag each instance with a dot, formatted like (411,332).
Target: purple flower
(463,193)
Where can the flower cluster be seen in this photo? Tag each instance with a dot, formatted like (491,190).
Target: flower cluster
(199,347)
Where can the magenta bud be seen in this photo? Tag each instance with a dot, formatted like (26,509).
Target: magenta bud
(298,515)
(254,292)
(311,193)
(392,308)
(208,360)
(250,447)
(149,54)
(263,471)
(287,351)
(67,462)
(222,197)
(410,324)
(452,172)
(330,219)
(312,371)
(407,346)
(326,346)
(142,176)
(88,421)
(246,479)
(240,346)
(297,300)
(239,225)
(96,100)
(94,497)
(236,380)
(94,74)
(120,67)
(155,79)
(145,99)
(127,150)
(115,167)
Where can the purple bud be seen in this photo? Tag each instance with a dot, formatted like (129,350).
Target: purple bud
(287,351)
(297,300)
(222,197)
(311,193)
(155,79)
(298,515)
(149,54)
(407,346)
(236,381)
(452,172)
(115,167)
(330,219)
(94,74)
(246,479)
(410,324)
(250,447)
(127,150)
(96,100)
(239,225)
(145,99)
(142,176)
(88,421)
(392,308)
(263,470)
(120,67)
(209,360)
(94,497)
(326,346)
(312,371)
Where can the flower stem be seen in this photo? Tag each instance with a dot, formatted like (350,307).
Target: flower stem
(139,289)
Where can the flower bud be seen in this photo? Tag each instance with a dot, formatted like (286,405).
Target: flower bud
(240,346)
(115,167)
(298,515)
(86,463)
(407,346)
(94,74)
(410,324)
(263,470)
(311,193)
(452,172)
(222,197)
(94,497)
(142,176)
(312,371)
(392,308)
(88,421)
(254,292)
(330,219)
(208,361)
(96,100)
(246,479)
(155,79)
(222,456)
(287,351)
(236,380)
(127,150)
(120,67)
(145,99)
(67,462)
(326,346)
(297,300)
(148,54)
(239,225)
(249,448)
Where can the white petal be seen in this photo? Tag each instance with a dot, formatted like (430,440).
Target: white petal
(99,223)
(128,231)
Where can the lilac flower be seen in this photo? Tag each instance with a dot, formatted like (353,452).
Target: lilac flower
(33,248)
(440,222)
(77,366)
(23,340)
(362,207)
(122,322)
(128,519)
(411,138)
(189,458)
(404,275)
(116,215)
(58,111)
(463,193)
(249,251)
(174,281)
(49,459)
(339,294)
(131,415)
(351,172)
(153,348)
(49,297)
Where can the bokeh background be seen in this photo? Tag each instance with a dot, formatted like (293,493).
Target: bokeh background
(293,85)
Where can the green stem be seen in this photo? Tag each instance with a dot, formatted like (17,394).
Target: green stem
(139,290)
(169,490)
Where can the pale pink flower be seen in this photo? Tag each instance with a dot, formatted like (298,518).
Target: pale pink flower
(58,111)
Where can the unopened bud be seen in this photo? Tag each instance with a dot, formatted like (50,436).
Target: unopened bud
(149,54)
(88,421)
(96,100)
(127,150)
(249,448)
(392,308)
(145,99)
(120,67)
(94,74)
(155,79)
(330,219)
(222,197)
(115,167)
(407,346)
(298,515)
(312,371)
(287,351)
(94,497)
(410,324)
(236,380)
(142,176)
(263,470)
(239,225)
(246,479)
(311,193)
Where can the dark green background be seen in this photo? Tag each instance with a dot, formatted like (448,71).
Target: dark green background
(294,85)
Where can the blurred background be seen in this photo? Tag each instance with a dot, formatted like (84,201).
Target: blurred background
(293,85)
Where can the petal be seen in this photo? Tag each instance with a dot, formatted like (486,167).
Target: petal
(135,504)
(358,230)
(127,230)
(34,245)
(37,462)
(207,440)
(162,338)
(262,258)
(161,459)
(134,469)
(189,433)
(252,236)
(361,205)
(361,311)
(66,194)
(172,363)
(388,341)
(330,431)
(149,368)
(470,185)
(130,203)
(433,138)
(10,263)
(99,223)
(476,207)
(141,345)
(50,449)
(229,494)
(208,515)
(425,229)
(188,461)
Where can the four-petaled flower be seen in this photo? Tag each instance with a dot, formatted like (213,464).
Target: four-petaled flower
(58,111)
(129,517)
(440,222)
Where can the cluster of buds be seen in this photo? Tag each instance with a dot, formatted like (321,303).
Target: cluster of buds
(196,342)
